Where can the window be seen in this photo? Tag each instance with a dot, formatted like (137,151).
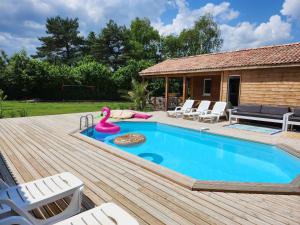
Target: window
(206,87)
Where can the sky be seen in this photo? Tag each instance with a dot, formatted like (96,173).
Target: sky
(243,23)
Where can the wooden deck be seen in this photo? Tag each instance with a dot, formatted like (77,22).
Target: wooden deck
(36,147)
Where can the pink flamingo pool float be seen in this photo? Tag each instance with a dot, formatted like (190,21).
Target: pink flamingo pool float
(104,126)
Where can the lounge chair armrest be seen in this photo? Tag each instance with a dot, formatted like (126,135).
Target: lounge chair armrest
(206,112)
(178,108)
(190,110)
(287,115)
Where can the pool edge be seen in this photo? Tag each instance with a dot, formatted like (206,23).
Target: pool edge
(197,185)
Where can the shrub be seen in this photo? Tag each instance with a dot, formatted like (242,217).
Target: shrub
(123,77)
(139,95)
(97,75)
(23,112)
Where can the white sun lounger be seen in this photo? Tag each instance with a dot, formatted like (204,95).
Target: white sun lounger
(214,114)
(106,214)
(195,112)
(31,195)
(188,105)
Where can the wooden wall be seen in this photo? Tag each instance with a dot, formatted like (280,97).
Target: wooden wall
(279,86)
(197,87)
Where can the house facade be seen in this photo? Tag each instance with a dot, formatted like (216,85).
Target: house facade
(266,75)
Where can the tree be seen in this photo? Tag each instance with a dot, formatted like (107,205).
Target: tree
(2,99)
(144,40)
(3,63)
(112,45)
(63,43)
(203,37)
(124,75)
(97,75)
(3,60)
(89,43)
(171,47)
(18,81)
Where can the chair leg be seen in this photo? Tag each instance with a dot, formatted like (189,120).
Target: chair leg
(73,208)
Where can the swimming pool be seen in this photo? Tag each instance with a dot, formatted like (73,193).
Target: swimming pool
(205,156)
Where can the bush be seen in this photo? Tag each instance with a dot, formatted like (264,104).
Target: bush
(23,112)
(96,75)
(124,76)
(22,77)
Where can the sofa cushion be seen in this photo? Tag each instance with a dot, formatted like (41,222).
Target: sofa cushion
(260,115)
(274,110)
(297,112)
(249,108)
(246,113)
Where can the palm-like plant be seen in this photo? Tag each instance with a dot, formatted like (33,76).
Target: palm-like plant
(139,94)
(2,98)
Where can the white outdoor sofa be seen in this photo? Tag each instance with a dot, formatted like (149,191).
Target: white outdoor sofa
(292,118)
(262,113)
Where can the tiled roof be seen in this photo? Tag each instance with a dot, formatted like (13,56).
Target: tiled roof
(263,57)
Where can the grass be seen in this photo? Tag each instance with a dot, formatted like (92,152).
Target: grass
(22,108)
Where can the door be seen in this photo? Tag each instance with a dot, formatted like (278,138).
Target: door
(234,90)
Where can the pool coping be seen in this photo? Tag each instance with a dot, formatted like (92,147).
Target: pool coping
(198,185)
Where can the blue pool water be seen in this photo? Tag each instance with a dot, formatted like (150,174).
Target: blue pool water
(205,156)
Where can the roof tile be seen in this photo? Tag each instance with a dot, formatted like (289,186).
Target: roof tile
(255,57)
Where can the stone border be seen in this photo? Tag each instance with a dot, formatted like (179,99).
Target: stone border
(197,185)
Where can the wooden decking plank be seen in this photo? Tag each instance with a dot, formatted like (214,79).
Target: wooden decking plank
(208,208)
(256,212)
(268,211)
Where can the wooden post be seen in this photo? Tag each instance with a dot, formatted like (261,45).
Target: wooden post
(184,89)
(166,92)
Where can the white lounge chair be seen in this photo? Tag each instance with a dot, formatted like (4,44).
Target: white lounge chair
(214,114)
(195,112)
(188,105)
(106,214)
(31,195)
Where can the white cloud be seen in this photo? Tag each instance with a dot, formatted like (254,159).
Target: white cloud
(15,43)
(186,17)
(22,21)
(242,35)
(33,24)
(24,18)
(291,8)
(246,35)
(223,11)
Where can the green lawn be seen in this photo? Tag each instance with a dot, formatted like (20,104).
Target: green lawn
(22,108)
